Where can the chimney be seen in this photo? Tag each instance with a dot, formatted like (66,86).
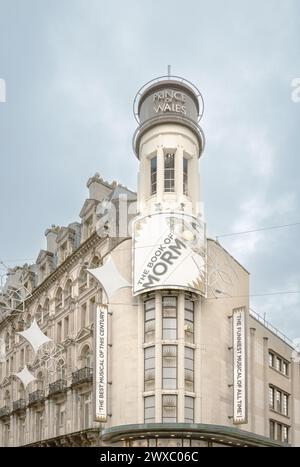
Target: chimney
(51,235)
(98,188)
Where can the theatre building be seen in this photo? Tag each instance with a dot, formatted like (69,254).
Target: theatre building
(132,327)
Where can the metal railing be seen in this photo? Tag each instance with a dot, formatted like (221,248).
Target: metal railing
(57,387)
(36,396)
(271,328)
(4,411)
(83,375)
(19,405)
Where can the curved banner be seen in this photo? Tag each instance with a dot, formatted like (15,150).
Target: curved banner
(169,251)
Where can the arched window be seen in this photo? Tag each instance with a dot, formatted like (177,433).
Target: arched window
(7,399)
(68,289)
(39,314)
(60,369)
(83,280)
(21,392)
(86,357)
(40,381)
(46,309)
(28,320)
(58,299)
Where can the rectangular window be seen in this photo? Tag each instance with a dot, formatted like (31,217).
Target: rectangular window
(149,311)
(188,409)
(92,309)
(58,332)
(272,429)
(271,397)
(285,434)
(285,404)
(169,408)
(149,414)
(279,432)
(185,176)
(83,315)
(153,164)
(169,366)
(188,369)
(169,172)
(169,314)
(278,364)
(189,320)
(66,327)
(278,401)
(285,368)
(149,368)
(271,359)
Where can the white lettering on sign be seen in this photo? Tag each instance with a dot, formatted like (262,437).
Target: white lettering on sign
(239,367)
(169,100)
(100,364)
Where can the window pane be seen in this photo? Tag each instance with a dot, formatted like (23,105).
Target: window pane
(169,409)
(189,368)
(149,368)
(153,164)
(169,364)
(185,176)
(271,397)
(149,409)
(189,409)
(169,172)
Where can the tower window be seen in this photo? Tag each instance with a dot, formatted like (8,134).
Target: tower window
(189,320)
(169,164)
(169,314)
(188,369)
(149,409)
(169,408)
(185,176)
(153,165)
(149,366)
(149,309)
(169,366)
(188,409)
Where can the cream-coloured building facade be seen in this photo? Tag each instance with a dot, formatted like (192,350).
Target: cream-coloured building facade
(170,350)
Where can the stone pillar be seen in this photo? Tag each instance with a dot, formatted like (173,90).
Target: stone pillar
(179,174)
(158,357)
(140,311)
(160,174)
(180,357)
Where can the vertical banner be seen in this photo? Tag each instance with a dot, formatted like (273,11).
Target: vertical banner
(100,364)
(239,366)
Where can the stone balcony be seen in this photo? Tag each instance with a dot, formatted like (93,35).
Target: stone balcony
(19,405)
(4,411)
(57,387)
(36,397)
(84,375)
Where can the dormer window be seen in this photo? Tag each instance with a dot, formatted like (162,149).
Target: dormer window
(169,172)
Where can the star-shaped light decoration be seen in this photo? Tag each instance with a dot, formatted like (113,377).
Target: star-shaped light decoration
(25,376)
(34,336)
(109,277)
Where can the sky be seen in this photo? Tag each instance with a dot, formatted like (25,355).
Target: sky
(72,69)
